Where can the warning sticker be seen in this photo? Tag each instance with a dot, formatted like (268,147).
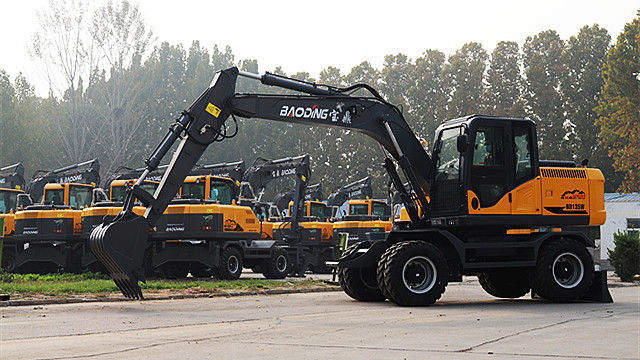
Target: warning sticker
(213,110)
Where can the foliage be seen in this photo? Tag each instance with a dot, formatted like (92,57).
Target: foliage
(128,90)
(619,107)
(543,69)
(625,257)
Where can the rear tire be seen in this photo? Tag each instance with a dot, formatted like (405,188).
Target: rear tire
(360,283)
(506,283)
(564,271)
(230,264)
(174,270)
(413,273)
(278,265)
(200,270)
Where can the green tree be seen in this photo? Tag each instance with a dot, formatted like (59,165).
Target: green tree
(429,95)
(619,107)
(7,119)
(504,81)
(465,71)
(543,69)
(582,82)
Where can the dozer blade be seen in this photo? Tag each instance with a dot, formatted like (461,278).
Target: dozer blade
(120,247)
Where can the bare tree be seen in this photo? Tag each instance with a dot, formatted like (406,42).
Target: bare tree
(122,37)
(65,55)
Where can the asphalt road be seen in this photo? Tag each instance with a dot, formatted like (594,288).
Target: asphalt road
(465,324)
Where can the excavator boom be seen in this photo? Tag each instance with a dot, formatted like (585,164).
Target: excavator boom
(120,244)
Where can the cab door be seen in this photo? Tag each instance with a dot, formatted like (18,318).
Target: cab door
(489,178)
(526,195)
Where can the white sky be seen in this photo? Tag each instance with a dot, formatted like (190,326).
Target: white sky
(312,35)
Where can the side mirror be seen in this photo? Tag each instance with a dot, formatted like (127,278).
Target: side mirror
(461,143)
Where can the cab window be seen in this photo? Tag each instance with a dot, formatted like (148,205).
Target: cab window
(54,197)
(359,209)
(378,209)
(118,193)
(79,196)
(193,190)
(220,191)
(522,154)
(317,210)
(8,201)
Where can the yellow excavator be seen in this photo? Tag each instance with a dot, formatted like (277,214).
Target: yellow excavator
(363,215)
(48,233)
(11,185)
(482,202)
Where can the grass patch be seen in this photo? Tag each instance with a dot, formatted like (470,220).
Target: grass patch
(60,285)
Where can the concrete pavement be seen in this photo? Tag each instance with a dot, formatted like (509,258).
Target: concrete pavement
(465,324)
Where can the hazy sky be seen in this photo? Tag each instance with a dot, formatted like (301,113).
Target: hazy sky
(312,35)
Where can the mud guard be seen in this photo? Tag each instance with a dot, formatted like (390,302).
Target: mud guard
(366,254)
(599,291)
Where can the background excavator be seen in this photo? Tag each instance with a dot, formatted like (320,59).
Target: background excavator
(364,215)
(492,210)
(11,185)
(199,230)
(48,234)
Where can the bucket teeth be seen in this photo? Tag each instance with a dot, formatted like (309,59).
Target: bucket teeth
(120,246)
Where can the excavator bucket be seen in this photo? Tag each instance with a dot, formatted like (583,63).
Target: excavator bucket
(120,247)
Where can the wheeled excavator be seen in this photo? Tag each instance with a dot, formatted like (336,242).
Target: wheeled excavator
(11,185)
(364,215)
(48,234)
(482,202)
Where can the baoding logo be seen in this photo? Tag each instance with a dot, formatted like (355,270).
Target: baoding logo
(574,194)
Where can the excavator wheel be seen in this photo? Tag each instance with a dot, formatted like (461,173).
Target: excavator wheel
(9,260)
(360,283)
(230,264)
(413,273)
(564,271)
(505,283)
(200,270)
(278,265)
(174,270)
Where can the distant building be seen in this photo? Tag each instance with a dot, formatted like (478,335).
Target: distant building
(623,214)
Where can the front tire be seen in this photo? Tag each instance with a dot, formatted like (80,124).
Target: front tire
(506,283)
(413,273)
(230,264)
(278,265)
(564,271)
(360,283)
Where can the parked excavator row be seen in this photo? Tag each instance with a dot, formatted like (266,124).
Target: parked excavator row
(474,208)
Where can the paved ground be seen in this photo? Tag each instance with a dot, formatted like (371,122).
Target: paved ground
(465,324)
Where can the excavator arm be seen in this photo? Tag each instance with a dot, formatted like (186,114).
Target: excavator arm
(12,177)
(120,245)
(361,188)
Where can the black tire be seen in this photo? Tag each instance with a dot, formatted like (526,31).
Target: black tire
(230,264)
(278,265)
(174,270)
(360,283)
(9,261)
(505,283)
(413,273)
(564,271)
(201,270)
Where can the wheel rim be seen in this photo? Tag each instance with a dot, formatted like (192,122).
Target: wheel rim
(568,270)
(281,263)
(232,264)
(9,263)
(419,274)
